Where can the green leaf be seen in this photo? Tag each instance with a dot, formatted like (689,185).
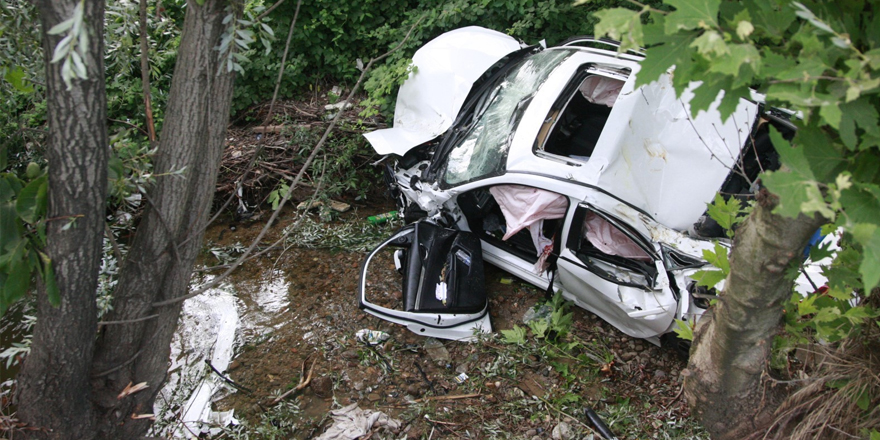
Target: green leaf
(32,200)
(869,237)
(659,59)
(711,43)
(739,54)
(17,282)
(830,113)
(859,113)
(708,278)
(684,330)
(621,24)
(516,335)
(806,306)
(819,152)
(772,18)
(15,76)
(861,202)
(726,212)
(692,14)
(791,189)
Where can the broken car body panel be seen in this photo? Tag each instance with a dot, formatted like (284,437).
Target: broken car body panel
(625,171)
(446,68)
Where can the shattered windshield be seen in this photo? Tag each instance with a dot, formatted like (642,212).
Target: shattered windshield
(482,151)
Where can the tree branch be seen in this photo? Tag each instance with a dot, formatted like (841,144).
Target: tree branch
(295,182)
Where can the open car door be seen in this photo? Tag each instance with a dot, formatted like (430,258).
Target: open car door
(610,269)
(441,290)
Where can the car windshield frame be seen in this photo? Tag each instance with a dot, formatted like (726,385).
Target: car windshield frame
(480,151)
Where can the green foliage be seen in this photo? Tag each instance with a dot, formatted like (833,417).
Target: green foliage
(728,213)
(819,59)
(718,259)
(331,36)
(552,323)
(23,205)
(382,84)
(684,330)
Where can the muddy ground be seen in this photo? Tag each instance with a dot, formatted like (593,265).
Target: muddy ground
(533,390)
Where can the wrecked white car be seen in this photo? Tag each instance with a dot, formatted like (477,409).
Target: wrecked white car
(549,164)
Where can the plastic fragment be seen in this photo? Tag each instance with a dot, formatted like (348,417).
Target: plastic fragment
(371,337)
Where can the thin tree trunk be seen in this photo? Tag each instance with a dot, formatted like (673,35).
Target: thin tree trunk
(158,267)
(53,391)
(732,343)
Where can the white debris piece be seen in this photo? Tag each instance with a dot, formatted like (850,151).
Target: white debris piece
(352,422)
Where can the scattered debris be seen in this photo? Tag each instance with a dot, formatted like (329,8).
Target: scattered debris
(562,431)
(315,204)
(371,337)
(436,350)
(351,422)
(129,389)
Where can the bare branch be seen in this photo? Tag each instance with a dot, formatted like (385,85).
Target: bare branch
(293,185)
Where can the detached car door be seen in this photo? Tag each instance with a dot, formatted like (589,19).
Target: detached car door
(609,268)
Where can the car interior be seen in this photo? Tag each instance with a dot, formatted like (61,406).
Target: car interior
(577,119)
(485,218)
(609,252)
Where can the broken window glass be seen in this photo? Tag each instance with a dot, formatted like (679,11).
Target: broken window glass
(483,150)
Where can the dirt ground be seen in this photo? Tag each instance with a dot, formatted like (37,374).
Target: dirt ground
(534,390)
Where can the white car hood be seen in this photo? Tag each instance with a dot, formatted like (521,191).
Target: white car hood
(431,98)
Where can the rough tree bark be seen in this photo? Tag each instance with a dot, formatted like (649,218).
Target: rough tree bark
(732,343)
(167,241)
(53,386)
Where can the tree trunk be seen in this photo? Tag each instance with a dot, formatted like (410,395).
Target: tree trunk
(732,342)
(168,239)
(53,391)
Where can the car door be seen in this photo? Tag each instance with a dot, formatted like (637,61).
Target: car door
(610,269)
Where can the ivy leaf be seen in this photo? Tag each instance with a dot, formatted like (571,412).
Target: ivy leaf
(691,14)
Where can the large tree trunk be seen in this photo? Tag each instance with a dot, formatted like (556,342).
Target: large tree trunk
(160,260)
(53,386)
(732,343)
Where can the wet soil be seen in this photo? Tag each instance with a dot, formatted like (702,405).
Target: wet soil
(515,391)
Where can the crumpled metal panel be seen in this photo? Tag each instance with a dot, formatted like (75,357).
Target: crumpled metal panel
(656,157)
(430,99)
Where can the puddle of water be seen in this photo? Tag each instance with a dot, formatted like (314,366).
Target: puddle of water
(212,326)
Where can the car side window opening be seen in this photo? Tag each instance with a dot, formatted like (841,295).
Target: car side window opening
(611,253)
(521,219)
(576,121)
